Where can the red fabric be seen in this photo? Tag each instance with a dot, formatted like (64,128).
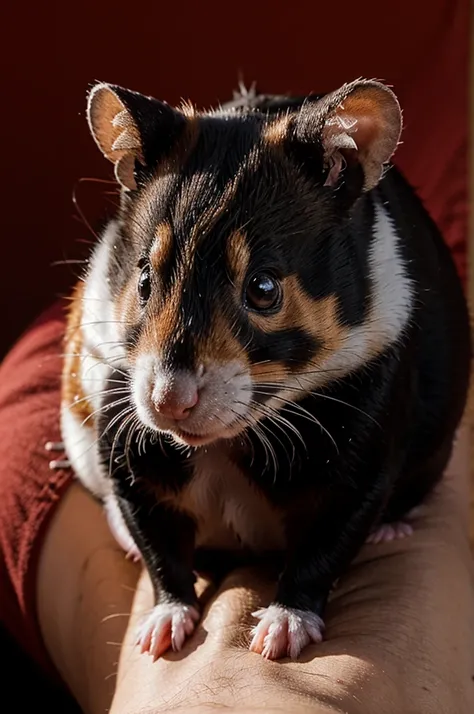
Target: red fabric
(422,50)
(29,490)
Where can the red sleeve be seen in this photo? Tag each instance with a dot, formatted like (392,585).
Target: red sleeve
(29,490)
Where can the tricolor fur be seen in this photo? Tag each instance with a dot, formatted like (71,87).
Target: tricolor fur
(308,420)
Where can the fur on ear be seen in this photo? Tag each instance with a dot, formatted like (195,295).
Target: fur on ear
(361,121)
(130,127)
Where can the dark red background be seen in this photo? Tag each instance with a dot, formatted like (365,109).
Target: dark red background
(53,51)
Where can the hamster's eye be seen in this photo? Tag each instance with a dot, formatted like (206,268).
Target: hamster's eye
(144,284)
(263,292)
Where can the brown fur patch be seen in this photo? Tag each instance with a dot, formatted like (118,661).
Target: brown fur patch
(222,346)
(275,133)
(72,393)
(163,324)
(269,372)
(238,257)
(161,247)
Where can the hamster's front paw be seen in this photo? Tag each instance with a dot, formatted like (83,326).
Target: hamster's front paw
(167,625)
(284,632)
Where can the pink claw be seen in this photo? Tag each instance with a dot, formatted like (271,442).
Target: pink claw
(387,532)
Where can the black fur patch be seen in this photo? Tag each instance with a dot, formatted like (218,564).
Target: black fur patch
(293,347)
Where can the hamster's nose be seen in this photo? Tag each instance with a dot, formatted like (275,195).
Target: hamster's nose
(176,398)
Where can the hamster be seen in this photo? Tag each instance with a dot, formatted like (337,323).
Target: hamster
(269,351)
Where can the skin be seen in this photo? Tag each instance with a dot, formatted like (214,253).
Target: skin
(400,625)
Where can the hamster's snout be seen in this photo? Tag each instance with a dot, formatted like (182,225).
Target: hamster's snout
(176,397)
(196,406)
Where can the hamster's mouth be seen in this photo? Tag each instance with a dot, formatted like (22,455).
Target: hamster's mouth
(190,439)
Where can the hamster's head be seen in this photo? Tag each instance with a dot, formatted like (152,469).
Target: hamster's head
(231,258)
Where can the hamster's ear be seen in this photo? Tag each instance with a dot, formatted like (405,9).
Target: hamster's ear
(129,127)
(360,122)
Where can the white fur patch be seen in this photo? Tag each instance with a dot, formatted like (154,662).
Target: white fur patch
(80,444)
(391,297)
(101,328)
(102,350)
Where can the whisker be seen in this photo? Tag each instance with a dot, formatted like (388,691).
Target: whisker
(116,419)
(264,439)
(88,397)
(93,323)
(244,434)
(312,393)
(142,442)
(274,417)
(301,412)
(70,261)
(105,379)
(305,414)
(104,408)
(128,421)
(128,441)
(264,425)
(106,362)
(288,424)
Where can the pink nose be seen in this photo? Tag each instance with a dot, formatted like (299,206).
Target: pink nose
(178,401)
